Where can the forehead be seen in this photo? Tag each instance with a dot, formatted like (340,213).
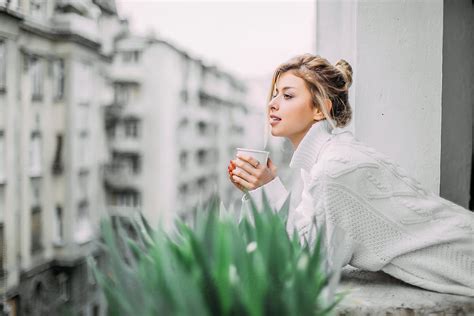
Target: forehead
(288,79)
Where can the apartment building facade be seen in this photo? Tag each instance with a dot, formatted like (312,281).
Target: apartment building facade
(173,126)
(94,122)
(53,85)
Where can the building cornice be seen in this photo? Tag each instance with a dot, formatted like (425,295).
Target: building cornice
(12,13)
(53,35)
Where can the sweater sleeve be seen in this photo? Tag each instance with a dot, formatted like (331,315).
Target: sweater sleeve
(312,215)
(276,194)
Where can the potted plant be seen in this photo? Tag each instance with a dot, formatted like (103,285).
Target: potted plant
(214,266)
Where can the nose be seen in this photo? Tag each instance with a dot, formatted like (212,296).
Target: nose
(273,104)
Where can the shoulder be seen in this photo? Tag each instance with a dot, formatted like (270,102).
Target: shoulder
(345,158)
(342,154)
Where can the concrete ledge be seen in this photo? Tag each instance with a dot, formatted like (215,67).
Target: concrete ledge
(377,293)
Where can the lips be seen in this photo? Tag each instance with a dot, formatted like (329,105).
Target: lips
(274,120)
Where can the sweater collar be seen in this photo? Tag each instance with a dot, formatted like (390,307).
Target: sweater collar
(307,152)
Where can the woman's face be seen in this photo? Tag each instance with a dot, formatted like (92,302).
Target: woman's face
(293,105)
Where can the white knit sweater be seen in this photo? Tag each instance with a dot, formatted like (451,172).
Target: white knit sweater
(383,218)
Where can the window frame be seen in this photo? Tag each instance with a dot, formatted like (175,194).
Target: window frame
(3,65)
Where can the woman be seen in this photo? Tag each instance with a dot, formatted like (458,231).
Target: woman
(384,218)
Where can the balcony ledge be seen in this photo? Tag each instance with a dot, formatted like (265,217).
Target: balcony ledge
(377,293)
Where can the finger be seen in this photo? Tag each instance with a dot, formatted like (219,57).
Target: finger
(252,161)
(246,166)
(269,162)
(239,186)
(242,182)
(245,175)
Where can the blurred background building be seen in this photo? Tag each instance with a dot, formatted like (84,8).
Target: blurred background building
(52,138)
(172,128)
(96,121)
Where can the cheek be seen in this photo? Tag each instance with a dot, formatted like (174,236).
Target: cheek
(302,114)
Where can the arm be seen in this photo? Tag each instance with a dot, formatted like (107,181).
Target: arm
(313,214)
(275,191)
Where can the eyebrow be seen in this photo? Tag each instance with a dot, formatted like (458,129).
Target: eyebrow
(285,88)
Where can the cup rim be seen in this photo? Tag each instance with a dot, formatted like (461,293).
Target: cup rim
(253,150)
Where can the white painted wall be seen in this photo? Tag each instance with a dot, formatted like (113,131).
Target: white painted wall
(395,49)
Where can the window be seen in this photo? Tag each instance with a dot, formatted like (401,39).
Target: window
(58,78)
(201,156)
(37,8)
(58,233)
(122,93)
(35,154)
(83,184)
(135,163)
(203,128)
(36,230)
(183,123)
(184,96)
(2,158)
(3,65)
(183,189)
(83,230)
(131,56)
(35,192)
(131,128)
(201,183)
(36,73)
(36,226)
(83,149)
(131,162)
(58,164)
(183,159)
(2,244)
(127,199)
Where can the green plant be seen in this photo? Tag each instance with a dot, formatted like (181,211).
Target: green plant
(214,266)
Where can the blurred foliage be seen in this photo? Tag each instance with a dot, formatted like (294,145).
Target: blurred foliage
(214,266)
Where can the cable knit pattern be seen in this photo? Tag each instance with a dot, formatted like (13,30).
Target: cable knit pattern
(382,218)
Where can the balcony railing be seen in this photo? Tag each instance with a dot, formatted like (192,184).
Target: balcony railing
(127,73)
(113,112)
(121,176)
(123,211)
(125,144)
(76,24)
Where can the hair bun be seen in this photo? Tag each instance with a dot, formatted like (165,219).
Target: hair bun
(346,70)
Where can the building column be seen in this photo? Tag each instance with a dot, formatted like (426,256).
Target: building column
(404,75)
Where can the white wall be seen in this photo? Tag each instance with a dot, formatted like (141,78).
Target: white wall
(395,49)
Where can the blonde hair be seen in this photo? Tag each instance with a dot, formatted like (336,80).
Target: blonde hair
(324,81)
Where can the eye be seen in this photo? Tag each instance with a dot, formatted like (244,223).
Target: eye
(287,96)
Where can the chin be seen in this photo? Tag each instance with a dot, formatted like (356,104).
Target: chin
(275,132)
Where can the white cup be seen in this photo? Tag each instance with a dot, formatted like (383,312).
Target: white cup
(260,155)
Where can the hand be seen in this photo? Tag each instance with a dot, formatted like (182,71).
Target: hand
(250,174)
(230,169)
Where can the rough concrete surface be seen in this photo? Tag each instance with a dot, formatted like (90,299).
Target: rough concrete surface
(377,293)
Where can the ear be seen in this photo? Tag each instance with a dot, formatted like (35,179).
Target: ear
(318,114)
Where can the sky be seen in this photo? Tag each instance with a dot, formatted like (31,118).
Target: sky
(246,38)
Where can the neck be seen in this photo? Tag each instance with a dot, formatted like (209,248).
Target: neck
(296,139)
